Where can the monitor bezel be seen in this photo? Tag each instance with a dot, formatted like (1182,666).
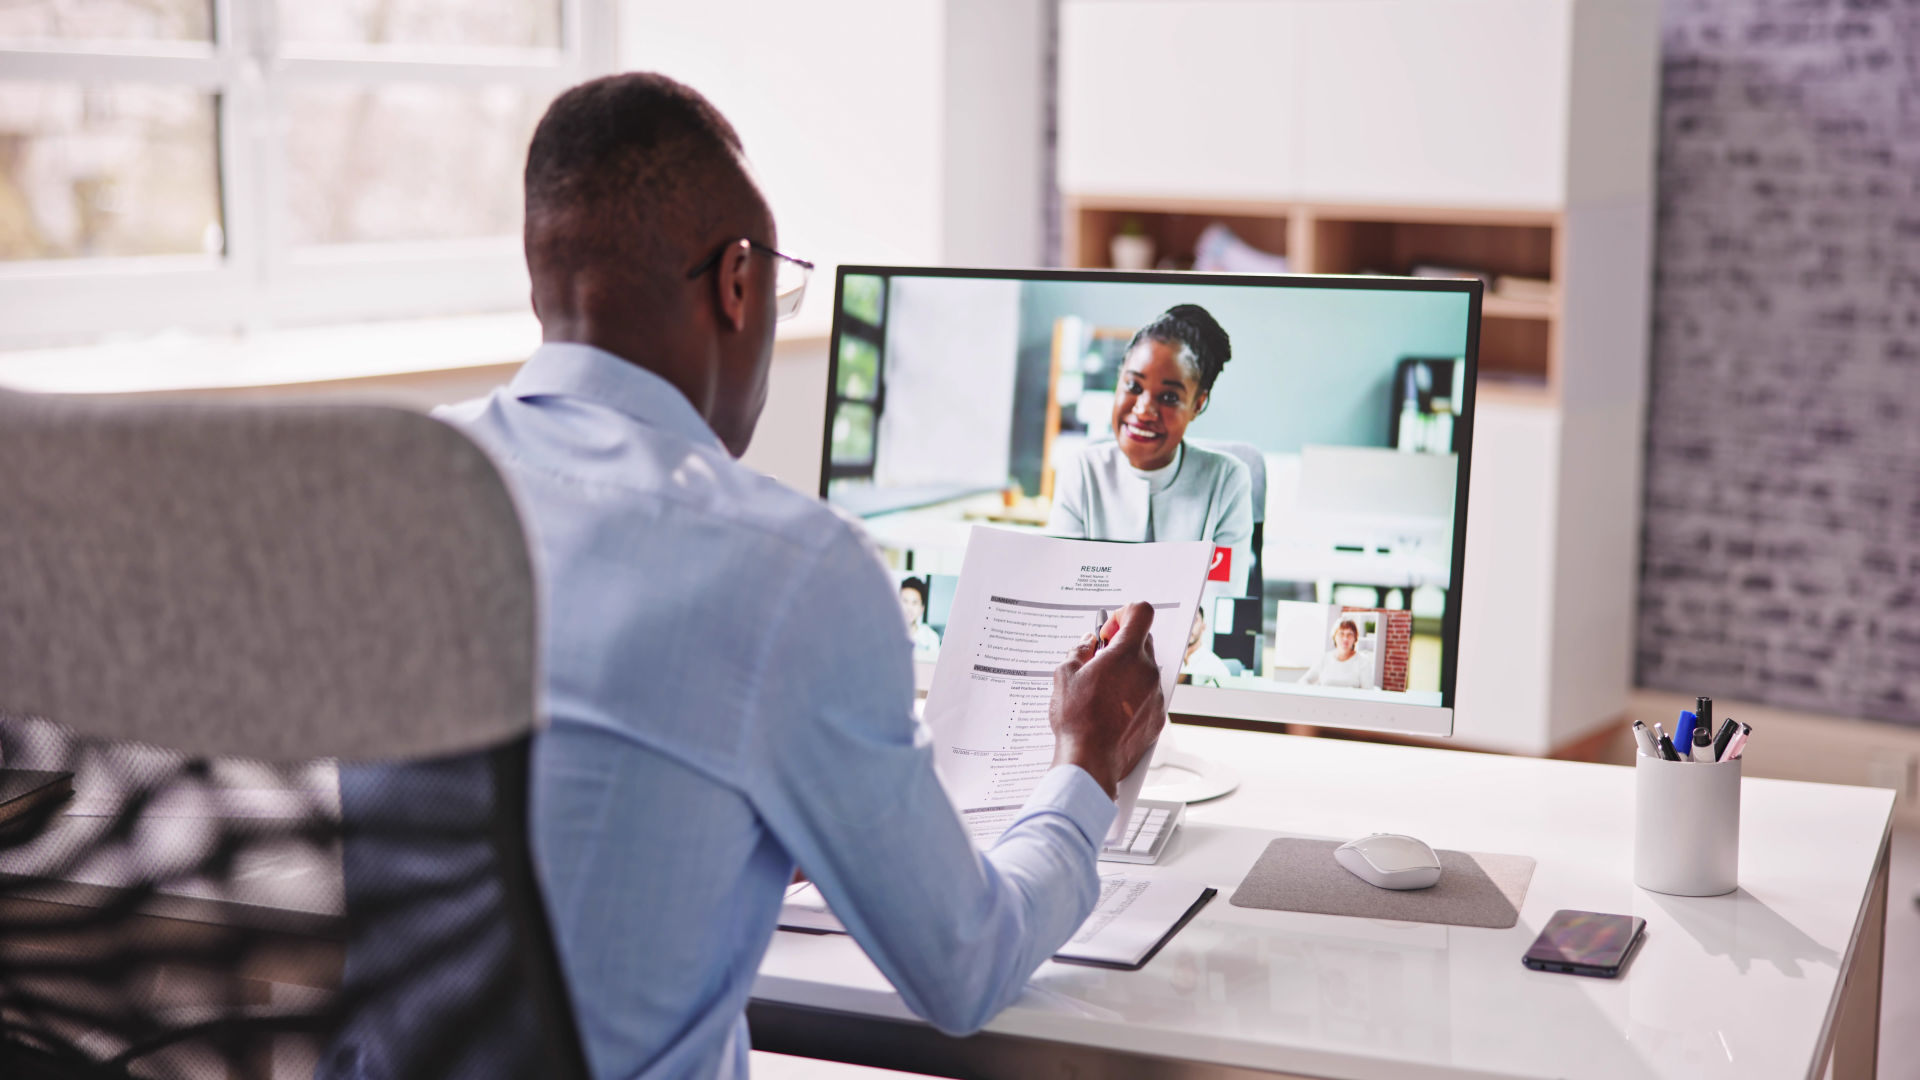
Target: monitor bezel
(1251,709)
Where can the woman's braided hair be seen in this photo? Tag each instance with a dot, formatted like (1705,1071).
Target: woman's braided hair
(1191,327)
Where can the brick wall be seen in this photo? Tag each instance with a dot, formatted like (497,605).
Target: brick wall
(1397,635)
(1781,560)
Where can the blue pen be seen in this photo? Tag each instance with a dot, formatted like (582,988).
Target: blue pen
(1683,731)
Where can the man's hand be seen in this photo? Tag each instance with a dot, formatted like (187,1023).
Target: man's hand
(1107,708)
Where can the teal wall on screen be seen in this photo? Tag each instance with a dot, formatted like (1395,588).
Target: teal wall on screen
(1310,365)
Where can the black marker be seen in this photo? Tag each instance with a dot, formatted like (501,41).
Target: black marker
(1702,743)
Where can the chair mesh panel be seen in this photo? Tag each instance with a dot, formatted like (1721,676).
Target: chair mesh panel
(189,918)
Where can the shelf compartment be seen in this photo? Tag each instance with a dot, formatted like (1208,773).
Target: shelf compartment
(1516,349)
(1506,307)
(1353,246)
(1174,232)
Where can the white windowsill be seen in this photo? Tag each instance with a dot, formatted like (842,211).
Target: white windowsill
(175,362)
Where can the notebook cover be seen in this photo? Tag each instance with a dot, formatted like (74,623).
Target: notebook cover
(1205,895)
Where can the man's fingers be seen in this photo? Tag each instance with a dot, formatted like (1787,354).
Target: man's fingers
(1135,620)
(1077,658)
(1112,627)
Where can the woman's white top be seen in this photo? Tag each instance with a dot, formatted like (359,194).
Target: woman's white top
(1355,671)
(1202,495)
(926,642)
(1204,668)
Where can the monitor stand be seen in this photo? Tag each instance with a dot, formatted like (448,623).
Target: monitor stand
(1179,776)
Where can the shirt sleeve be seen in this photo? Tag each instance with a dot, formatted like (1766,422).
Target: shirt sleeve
(1068,517)
(843,775)
(1316,672)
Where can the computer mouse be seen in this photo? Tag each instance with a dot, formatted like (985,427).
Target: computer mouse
(1390,861)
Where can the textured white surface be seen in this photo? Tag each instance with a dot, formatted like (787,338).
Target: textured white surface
(1731,986)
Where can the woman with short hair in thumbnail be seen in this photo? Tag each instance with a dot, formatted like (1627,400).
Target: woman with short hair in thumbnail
(1150,483)
(914,594)
(1342,665)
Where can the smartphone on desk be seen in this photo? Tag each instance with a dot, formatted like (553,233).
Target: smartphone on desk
(1585,943)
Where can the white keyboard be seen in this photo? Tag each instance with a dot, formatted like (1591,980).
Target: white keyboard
(1148,831)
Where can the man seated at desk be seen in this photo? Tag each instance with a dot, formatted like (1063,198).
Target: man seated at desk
(677,787)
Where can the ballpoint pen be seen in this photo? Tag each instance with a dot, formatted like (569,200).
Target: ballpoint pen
(1739,742)
(1725,736)
(1667,751)
(1644,739)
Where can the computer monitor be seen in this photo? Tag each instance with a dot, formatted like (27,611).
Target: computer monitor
(1329,463)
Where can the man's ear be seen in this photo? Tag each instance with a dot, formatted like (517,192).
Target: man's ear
(730,285)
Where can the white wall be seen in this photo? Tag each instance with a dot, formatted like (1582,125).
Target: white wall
(838,104)
(994,211)
(883,131)
(792,431)
(909,132)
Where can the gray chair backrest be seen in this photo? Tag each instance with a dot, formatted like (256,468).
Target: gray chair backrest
(267,582)
(1256,465)
(183,582)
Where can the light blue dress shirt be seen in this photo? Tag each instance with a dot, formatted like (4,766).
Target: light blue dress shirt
(729,691)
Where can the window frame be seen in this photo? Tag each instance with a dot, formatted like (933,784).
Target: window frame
(260,281)
(874,335)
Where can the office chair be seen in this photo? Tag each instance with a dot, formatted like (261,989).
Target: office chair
(203,609)
(1256,464)
(1240,642)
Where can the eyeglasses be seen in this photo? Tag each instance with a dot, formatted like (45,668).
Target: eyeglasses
(789,280)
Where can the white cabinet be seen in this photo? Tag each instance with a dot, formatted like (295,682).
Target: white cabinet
(1414,102)
(1506,631)
(1430,102)
(1186,99)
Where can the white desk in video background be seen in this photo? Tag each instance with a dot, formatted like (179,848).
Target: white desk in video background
(1765,982)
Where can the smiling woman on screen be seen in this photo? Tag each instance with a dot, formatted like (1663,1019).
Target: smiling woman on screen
(1149,483)
(1344,664)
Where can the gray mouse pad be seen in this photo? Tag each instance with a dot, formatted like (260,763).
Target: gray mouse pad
(1301,875)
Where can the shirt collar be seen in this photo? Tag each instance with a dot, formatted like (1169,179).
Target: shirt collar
(571,369)
(1160,479)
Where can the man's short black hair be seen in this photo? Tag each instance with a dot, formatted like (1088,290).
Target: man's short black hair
(632,172)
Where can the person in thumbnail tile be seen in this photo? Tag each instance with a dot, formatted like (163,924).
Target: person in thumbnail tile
(1342,665)
(1150,483)
(913,604)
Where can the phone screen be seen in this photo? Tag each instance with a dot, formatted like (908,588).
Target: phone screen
(1585,942)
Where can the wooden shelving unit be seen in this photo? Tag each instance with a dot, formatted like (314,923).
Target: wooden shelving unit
(1519,337)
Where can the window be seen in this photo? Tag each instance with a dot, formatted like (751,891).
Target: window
(224,164)
(859,381)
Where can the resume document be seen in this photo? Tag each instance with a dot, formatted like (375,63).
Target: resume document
(1022,603)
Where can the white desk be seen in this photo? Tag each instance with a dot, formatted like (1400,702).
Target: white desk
(1765,982)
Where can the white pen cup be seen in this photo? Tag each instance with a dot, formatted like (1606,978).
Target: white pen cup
(1686,826)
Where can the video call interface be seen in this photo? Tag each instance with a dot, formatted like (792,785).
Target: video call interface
(1308,432)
